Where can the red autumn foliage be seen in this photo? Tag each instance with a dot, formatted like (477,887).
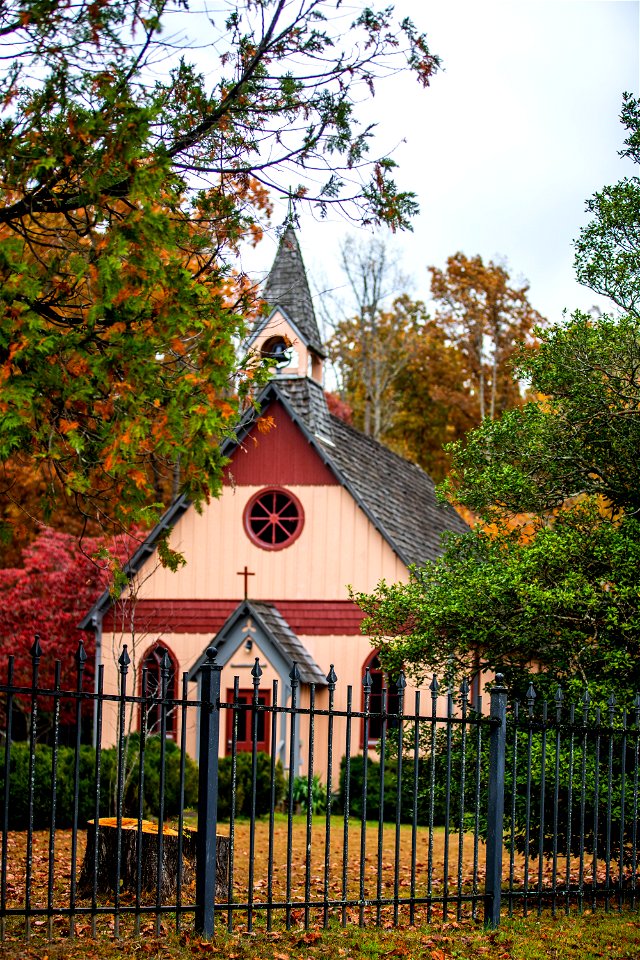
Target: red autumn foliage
(339,408)
(48,595)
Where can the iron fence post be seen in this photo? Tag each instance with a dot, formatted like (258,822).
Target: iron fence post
(495,806)
(207,795)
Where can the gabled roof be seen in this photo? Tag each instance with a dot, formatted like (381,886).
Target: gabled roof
(277,632)
(308,401)
(287,287)
(397,496)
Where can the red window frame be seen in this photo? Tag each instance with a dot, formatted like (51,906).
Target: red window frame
(244,743)
(269,518)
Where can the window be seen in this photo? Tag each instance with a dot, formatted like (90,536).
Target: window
(273,518)
(379,682)
(151,684)
(278,350)
(245,721)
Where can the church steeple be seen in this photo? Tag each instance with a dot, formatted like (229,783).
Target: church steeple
(290,330)
(287,287)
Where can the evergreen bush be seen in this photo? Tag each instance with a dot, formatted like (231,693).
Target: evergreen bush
(244,787)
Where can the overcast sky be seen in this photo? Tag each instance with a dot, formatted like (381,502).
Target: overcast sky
(517,130)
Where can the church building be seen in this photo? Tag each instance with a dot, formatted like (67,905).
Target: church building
(309,508)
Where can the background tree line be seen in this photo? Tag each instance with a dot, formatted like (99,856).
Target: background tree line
(418,377)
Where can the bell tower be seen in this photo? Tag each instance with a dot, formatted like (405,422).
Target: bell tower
(289,333)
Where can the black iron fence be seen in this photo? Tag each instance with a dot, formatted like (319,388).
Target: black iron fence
(400,812)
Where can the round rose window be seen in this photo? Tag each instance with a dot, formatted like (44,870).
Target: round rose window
(273,518)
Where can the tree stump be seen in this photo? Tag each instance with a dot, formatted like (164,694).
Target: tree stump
(108,853)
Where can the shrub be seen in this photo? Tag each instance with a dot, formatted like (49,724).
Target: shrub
(19,783)
(243,785)
(19,786)
(300,793)
(422,802)
(151,781)
(390,797)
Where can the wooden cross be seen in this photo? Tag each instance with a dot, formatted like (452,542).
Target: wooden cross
(245,573)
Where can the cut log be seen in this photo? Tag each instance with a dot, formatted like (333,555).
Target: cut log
(108,857)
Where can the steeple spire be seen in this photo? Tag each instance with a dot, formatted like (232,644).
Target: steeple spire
(287,287)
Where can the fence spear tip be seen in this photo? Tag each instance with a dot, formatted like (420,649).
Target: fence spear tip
(294,675)
(124,659)
(81,655)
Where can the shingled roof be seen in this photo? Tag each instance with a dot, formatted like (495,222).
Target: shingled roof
(289,642)
(307,398)
(397,495)
(287,287)
(277,631)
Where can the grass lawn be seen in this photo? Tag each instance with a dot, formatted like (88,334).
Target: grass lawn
(616,936)
(376,862)
(590,935)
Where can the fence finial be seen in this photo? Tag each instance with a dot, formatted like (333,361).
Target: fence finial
(294,674)
(212,653)
(124,659)
(256,671)
(559,697)
(81,656)
(401,682)
(36,649)
(531,697)
(434,687)
(366,680)
(332,678)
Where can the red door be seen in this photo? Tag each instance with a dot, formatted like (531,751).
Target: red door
(245,720)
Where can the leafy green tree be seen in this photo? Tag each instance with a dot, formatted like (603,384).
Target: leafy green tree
(127,181)
(566,599)
(580,438)
(548,579)
(608,250)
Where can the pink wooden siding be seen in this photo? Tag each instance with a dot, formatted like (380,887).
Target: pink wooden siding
(338,546)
